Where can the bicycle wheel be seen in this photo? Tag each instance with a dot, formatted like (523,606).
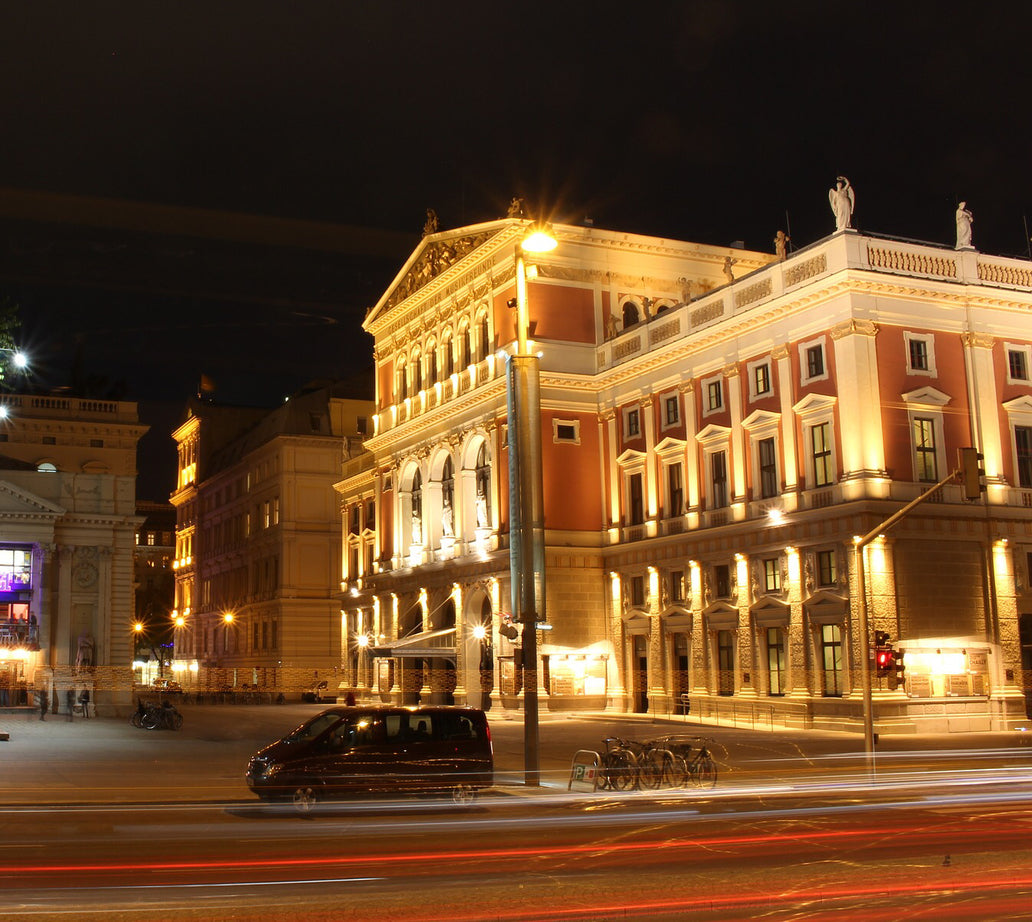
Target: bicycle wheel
(151,720)
(623,774)
(176,720)
(704,772)
(654,769)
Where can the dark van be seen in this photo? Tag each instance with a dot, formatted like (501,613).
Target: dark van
(372,749)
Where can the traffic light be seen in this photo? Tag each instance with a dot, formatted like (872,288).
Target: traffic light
(900,670)
(972,472)
(884,656)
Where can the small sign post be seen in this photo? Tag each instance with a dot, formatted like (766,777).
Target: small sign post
(584,770)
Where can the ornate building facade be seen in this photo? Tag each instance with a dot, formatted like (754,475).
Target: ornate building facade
(712,445)
(67,533)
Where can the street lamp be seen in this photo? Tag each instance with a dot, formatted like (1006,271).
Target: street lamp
(526,501)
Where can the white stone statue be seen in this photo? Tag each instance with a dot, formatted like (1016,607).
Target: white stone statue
(417,529)
(447,521)
(964,222)
(84,656)
(842,200)
(482,511)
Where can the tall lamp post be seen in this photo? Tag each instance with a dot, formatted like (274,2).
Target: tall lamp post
(526,501)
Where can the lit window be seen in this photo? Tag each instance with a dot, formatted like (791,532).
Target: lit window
(826,570)
(820,446)
(772,575)
(924,449)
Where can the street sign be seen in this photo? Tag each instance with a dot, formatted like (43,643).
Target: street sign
(584,770)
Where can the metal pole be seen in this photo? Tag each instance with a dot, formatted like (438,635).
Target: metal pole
(865,654)
(526,538)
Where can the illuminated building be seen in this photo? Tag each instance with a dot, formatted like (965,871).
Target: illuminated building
(258,539)
(67,526)
(710,450)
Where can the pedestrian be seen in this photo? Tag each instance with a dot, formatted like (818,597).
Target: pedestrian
(84,700)
(44,703)
(350,699)
(70,702)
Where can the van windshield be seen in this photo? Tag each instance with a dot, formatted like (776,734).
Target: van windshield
(310,729)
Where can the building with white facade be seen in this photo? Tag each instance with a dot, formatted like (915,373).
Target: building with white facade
(711,449)
(67,533)
(258,551)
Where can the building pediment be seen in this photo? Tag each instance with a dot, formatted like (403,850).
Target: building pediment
(630,457)
(770,612)
(826,608)
(720,616)
(926,397)
(435,256)
(17,502)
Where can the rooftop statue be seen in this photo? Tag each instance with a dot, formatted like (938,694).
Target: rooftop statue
(842,201)
(781,240)
(964,222)
(432,225)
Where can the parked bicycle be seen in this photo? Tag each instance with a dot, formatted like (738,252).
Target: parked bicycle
(619,768)
(691,762)
(162,716)
(667,762)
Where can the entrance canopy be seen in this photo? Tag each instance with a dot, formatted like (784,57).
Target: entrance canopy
(424,645)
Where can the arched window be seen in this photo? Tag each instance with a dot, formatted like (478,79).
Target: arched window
(449,357)
(467,348)
(485,338)
(431,359)
(417,373)
(630,314)
(417,496)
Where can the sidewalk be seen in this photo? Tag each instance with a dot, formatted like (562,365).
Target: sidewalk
(107,760)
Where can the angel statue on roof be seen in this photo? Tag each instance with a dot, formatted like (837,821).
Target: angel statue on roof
(842,200)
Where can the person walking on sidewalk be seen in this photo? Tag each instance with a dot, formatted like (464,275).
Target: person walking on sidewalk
(84,700)
(44,703)
(70,702)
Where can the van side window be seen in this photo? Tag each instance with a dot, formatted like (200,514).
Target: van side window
(421,727)
(455,727)
(395,728)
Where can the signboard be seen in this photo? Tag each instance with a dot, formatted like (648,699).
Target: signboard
(584,771)
(919,686)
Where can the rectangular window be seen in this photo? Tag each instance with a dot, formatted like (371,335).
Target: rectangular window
(677,585)
(722,580)
(814,361)
(1023,444)
(827,574)
(776,660)
(1017,364)
(831,660)
(362,425)
(638,591)
(918,354)
(718,479)
(674,482)
(725,663)
(714,395)
(565,432)
(633,424)
(768,468)
(673,410)
(637,506)
(820,447)
(772,574)
(924,449)
(761,379)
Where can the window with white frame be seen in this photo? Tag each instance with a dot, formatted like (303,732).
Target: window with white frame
(1023,454)
(671,410)
(926,466)
(1018,363)
(713,388)
(772,574)
(827,570)
(768,465)
(566,430)
(920,353)
(817,414)
(632,423)
(760,379)
(813,364)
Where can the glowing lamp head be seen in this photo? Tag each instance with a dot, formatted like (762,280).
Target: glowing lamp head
(20,359)
(138,627)
(362,640)
(479,632)
(539,239)
(228,617)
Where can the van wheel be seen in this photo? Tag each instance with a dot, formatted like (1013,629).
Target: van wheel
(305,800)
(463,794)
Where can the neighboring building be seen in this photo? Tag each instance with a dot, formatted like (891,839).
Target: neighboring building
(67,526)
(257,557)
(155,588)
(710,450)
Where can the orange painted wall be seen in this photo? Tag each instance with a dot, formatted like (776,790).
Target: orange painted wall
(566,314)
(572,488)
(385,373)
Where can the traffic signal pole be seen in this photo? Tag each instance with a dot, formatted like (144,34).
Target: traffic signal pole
(861,576)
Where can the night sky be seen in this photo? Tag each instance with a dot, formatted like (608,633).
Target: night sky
(703,120)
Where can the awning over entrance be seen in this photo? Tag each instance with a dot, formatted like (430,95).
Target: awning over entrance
(424,645)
